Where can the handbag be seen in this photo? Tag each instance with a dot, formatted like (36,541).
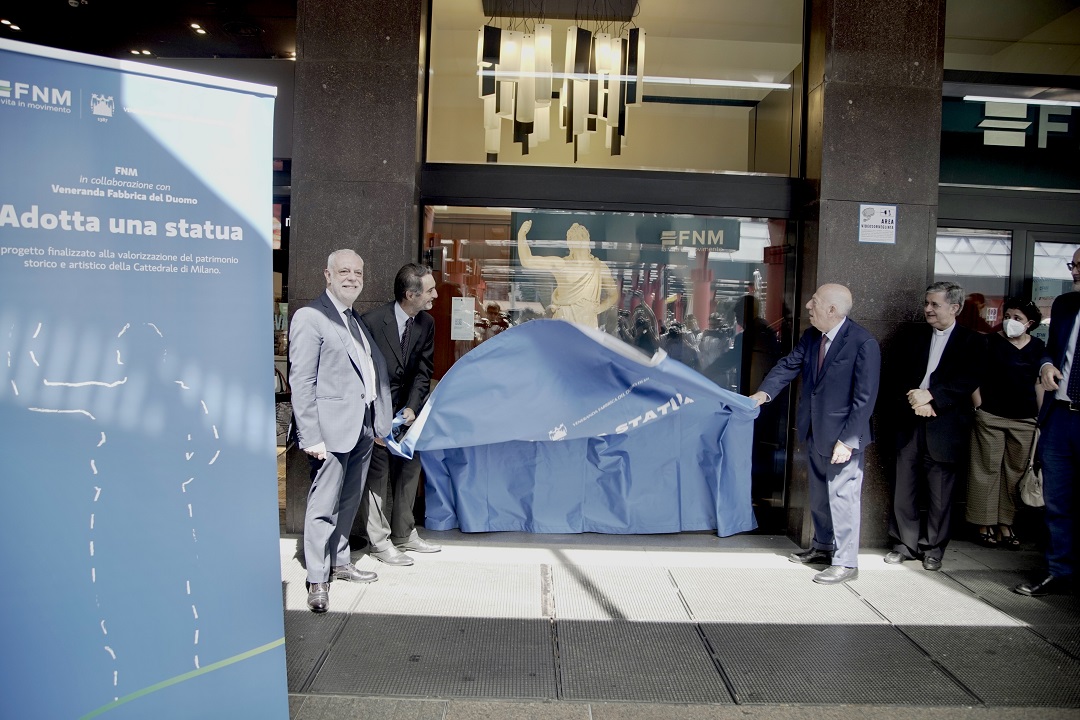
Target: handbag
(1031,485)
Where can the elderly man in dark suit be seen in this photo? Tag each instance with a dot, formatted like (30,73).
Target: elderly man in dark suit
(405,334)
(341,402)
(1059,446)
(840,365)
(937,370)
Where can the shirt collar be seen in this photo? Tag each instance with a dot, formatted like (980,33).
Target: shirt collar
(401,315)
(832,333)
(340,308)
(946,332)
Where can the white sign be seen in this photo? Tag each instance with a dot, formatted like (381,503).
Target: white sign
(877,224)
(462,318)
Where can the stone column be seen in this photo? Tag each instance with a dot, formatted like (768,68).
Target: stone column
(355,157)
(872,136)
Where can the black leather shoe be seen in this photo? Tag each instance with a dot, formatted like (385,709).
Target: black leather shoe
(352,574)
(391,556)
(896,557)
(813,555)
(1049,585)
(318,597)
(931,563)
(836,574)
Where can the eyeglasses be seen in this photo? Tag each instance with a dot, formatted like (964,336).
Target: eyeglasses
(1070,265)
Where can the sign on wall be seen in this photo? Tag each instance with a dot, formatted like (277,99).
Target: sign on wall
(135,392)
(877,224)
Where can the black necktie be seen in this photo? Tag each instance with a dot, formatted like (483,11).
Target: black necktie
(405,337)
(821,353)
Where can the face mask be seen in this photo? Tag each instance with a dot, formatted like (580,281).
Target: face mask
(1014,328)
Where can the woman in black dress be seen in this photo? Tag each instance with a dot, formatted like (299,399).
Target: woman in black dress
(1004,430)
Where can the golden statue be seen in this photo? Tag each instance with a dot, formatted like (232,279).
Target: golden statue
(584,287)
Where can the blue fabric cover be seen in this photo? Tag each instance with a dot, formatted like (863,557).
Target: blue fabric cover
(552,427)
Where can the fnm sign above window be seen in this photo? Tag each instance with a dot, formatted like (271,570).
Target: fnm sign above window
(1010,144)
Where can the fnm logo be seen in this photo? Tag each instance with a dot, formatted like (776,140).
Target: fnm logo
(1007,124)
(693,238)
(35,93)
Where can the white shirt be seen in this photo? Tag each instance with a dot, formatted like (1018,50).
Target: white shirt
(831,335)
(402,317)
(1067,366)
(937,346)
(367,368)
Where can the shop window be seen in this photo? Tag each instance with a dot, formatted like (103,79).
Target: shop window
(719,89)
(978,261)
(709,291)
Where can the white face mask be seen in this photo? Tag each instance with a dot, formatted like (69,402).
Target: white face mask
(1014,328)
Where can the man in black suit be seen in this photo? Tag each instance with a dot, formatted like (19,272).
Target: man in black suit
(937,370)
(840,365)
(1059,445)
(340,403)
(405,334)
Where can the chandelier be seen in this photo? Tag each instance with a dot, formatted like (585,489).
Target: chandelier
(602,75)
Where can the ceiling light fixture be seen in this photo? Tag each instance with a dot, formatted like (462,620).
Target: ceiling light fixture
(134,52)
(200,31)
(195,26)
(5,22)
(1021,101)
(14,27)
(602,76)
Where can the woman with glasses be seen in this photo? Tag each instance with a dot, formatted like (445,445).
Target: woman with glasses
(1004,430)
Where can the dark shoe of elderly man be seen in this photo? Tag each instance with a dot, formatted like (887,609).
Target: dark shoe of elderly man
(811,557)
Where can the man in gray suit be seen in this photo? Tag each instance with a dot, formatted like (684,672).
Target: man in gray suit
(341,402)
(840,365)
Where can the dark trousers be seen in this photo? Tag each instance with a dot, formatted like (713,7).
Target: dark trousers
(387,506)
(915,469)
(1059,448)
(337,485)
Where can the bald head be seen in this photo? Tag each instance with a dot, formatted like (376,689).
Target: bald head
(828,306)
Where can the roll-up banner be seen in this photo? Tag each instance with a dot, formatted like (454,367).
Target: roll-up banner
(138,503)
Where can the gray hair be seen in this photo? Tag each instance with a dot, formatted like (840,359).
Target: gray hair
(954,294)
(332,257)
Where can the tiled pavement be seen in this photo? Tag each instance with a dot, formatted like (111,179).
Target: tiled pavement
(612,627)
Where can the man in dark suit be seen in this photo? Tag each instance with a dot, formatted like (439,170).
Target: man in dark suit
(840,365)
(937,372)
(341,401)
(405,334)
(1059,445)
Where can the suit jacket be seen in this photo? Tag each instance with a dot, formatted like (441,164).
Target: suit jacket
(956,377)
(328,394)
(410,376)
(837,402)
(1062,316)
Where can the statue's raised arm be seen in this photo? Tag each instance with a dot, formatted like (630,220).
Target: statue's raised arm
(528,260)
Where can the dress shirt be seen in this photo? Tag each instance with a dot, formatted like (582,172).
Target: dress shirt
(1068,366)
(938,342)
(401,316)
(831,335)
(367,367)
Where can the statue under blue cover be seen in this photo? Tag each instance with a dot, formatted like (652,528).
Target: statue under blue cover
(552,427)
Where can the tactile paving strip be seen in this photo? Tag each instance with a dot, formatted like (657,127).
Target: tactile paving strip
(590,592)
(751,595)
(452,589)
(637,662)
(986,661)
(996,587)
(421,656)
(926,598)
(830,664)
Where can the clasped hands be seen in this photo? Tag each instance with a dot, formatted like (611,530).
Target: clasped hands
(920,400)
